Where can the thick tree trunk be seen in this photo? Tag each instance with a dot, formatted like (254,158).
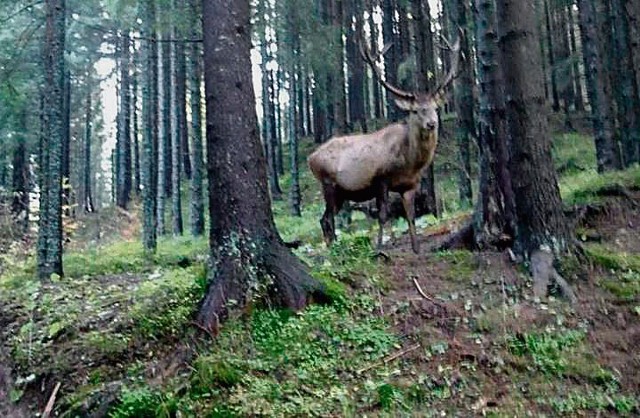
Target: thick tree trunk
(541,222)
(250,261)
(494,219)
(599,100)
(627,97)
(148,176)
(50,225)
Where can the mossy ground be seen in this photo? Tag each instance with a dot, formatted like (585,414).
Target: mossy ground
(117,331)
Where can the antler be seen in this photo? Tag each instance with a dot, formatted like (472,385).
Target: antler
(453,71)
(366,55)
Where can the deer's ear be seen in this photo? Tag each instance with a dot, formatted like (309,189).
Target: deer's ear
(405,104)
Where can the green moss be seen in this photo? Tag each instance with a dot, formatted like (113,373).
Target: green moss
(608,259)
(547,350)
(461,264)
(582,187)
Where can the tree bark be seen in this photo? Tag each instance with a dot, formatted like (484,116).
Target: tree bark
(87,203)
(603,123)
(123,195)
(577,76)
(494,218)
(463,90)
(148,176)
(555,96)
(541,222)
(165,167)
(249,260)
(178,122)
(50,225)
(197,178)
(20,178)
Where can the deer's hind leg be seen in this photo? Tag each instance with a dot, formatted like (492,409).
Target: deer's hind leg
(333,202)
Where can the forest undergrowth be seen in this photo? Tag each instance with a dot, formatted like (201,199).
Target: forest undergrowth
(454,333)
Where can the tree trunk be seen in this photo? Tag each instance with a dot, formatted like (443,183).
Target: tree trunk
(378,107)
(165,167)
(463,88)
(250,261)
(627,98)
(197,178)
(124,145)
(181,91)
(541,222)
(390,58)
(135,125)
(148,176)
(494,218)
(66,144)
(357,117)
(87,200)
(577,76)
(552,61)
(564,77)
(599,100)
(50,226)
(178,101)
(20,178)
(425,57)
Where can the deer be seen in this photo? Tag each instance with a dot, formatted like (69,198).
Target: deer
(368,166)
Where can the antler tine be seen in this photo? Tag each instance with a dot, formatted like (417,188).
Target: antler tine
(366,55)
(453,71)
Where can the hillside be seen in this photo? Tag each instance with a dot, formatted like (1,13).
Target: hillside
(436,334)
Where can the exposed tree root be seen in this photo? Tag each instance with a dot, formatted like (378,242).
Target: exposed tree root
(543,272)
(274,276)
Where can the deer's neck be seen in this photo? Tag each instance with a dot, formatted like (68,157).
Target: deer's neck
(421,144)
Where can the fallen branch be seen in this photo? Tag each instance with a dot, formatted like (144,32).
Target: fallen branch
(390,358)
(422,293)
(52,401)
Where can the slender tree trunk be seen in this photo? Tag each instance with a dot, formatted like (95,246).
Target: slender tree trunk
(357,117)
(50,226)
(294,194)
(243,237)
(20,179)
(541,222)
(464,99)
(390,61)
(177,110)
(124,145)
(148,176)
(426,65)
(43,173)
(164,133)
(555,96)
(565,78)
(181,91)
(601,117)
(577,76)
(378,107)
(66,144)
(197,178)
(87,201)
(135,125)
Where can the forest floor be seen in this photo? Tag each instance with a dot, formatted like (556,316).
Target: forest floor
(453,333)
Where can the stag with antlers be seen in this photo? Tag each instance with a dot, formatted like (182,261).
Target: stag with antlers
(369,166)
